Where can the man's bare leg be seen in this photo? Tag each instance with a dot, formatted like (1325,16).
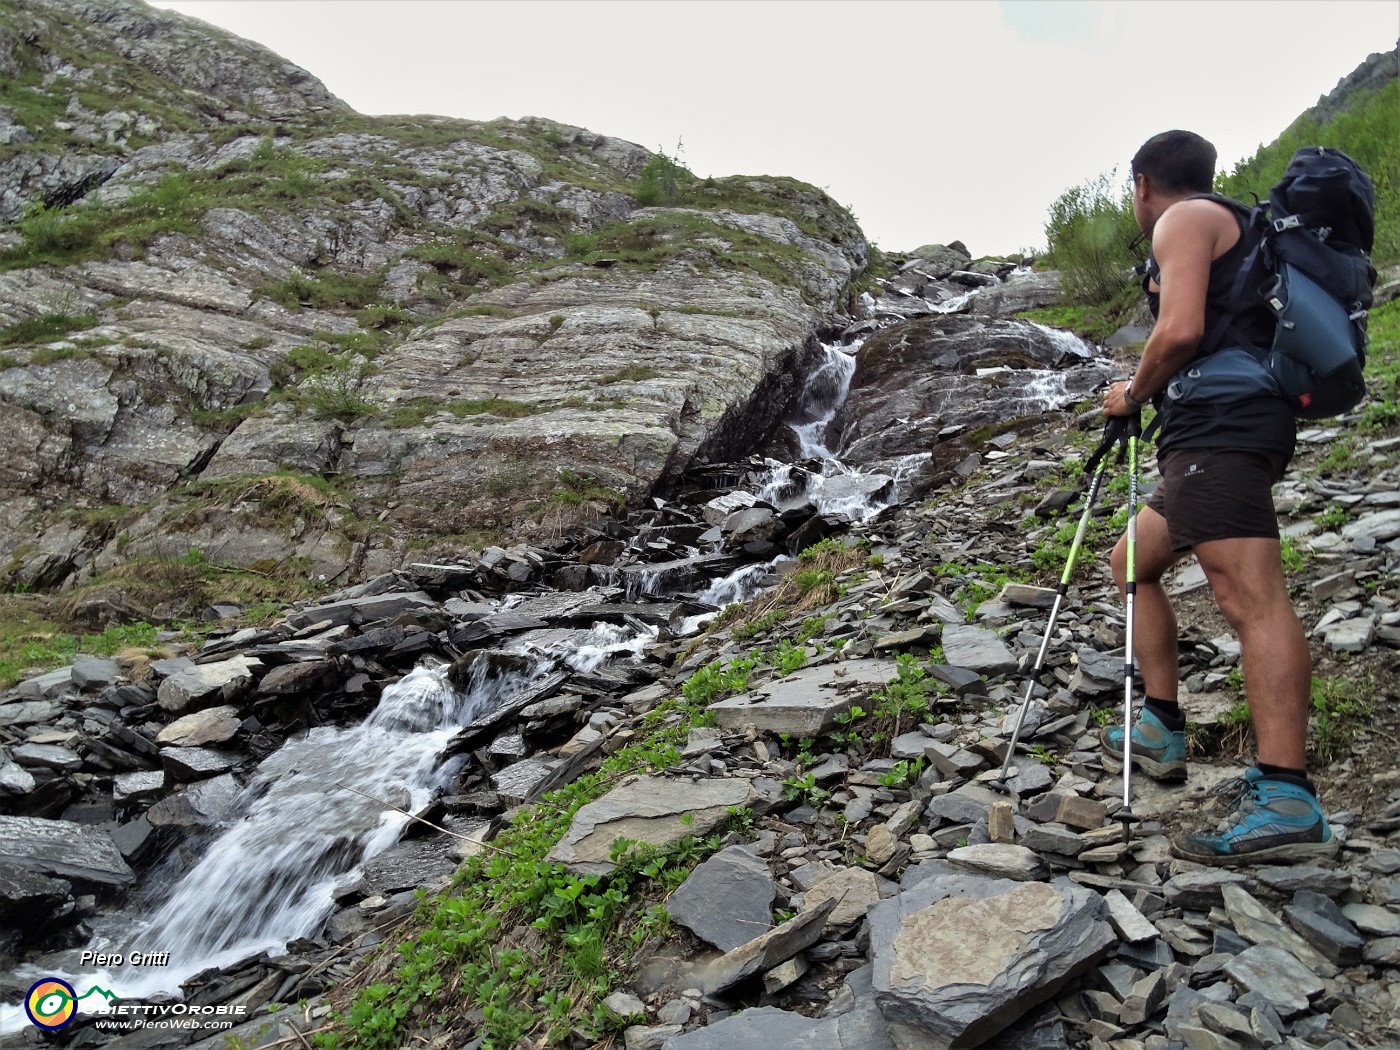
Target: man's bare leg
(1247,577)
(1154,627)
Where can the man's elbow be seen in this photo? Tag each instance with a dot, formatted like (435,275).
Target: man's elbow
(1179,342)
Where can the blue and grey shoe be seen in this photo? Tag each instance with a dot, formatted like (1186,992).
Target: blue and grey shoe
(1158,751)
(1272,820)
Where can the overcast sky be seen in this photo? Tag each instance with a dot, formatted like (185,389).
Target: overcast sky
(931,121)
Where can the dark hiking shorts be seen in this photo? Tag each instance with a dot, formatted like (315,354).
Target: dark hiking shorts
(1217,494)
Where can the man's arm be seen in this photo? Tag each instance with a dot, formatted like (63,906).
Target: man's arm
(1187,238)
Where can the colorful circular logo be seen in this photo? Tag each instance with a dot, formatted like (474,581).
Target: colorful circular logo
(51,1003)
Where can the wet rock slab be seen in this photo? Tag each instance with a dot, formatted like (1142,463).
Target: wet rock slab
(62,849)
(806,703)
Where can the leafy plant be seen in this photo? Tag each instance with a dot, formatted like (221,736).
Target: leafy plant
(1340,710)
(1089,230)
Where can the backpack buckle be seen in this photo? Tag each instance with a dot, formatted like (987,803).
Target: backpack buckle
(1288,222)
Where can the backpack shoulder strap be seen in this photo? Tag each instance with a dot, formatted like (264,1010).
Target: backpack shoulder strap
(1252,223)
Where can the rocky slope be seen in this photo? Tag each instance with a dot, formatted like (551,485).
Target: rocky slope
(445,328)
(871,847)
(828,751)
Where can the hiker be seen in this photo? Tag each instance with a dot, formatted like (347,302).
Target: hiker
(1218,462)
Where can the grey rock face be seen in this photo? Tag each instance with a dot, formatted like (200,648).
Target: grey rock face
(961,957)
(207,683)
(728,899)
(949,350)
(61,849)
(977,650)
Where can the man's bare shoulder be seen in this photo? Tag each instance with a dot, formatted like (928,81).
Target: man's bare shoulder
(1198,220)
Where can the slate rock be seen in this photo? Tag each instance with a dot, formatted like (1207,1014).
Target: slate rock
(61,849)
(804,704)
(213,725)
(999,860)
(94,672)
(646,809)
(1319,920)
(977,649)
(763,1026)
(207,685)
(47,756)
(767,951)
(15,779)
(853,889)
(1277,977)
(961,957)
(135,787)
(207,803)
(197,763)
(27,897)
(728,899)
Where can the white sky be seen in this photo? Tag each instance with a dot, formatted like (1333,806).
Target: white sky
(932,121)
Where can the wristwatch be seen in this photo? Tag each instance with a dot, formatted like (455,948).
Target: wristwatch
(1128,398)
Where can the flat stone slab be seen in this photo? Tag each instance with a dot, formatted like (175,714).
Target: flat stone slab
(977,649)
(363,610)
(999,860)
(728,899)
(47,756)
(61,849)
(958,958)
(763,1026)
(31,712)
(646,809)
(853,889)
(805,704)
(1277,976)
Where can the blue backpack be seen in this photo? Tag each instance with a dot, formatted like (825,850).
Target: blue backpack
(1310,264)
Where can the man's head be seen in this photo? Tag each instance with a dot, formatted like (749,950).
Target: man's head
(1176,163)
(1168,167)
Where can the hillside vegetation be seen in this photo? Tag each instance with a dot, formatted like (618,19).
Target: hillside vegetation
(1091,231)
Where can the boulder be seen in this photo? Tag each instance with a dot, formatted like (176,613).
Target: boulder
(958,958)
(205,685)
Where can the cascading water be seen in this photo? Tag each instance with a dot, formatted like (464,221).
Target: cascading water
(835,489)
(314,812)
(823,395)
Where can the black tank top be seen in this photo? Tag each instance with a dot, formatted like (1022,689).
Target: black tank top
(1259,423)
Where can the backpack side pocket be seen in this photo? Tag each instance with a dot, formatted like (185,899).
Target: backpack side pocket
(1231,374)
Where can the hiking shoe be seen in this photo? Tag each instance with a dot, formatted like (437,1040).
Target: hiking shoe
(1272,820)
(1157,751)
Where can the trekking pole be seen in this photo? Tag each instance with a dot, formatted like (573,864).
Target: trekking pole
(1097,466)
(1125,814)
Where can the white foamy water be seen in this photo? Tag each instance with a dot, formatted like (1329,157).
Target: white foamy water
(312,814)
(821,398)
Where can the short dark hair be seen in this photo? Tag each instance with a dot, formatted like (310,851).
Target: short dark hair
(1177,162)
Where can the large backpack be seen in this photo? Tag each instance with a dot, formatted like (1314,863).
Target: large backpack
(1310,263)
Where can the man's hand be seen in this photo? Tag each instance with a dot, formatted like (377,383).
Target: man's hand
(1115,403)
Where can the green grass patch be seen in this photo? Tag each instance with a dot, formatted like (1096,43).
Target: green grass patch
(32,643)
(633,373)
(413,413)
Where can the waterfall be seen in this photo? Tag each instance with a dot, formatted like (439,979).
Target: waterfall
(822,397)
(313,813)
